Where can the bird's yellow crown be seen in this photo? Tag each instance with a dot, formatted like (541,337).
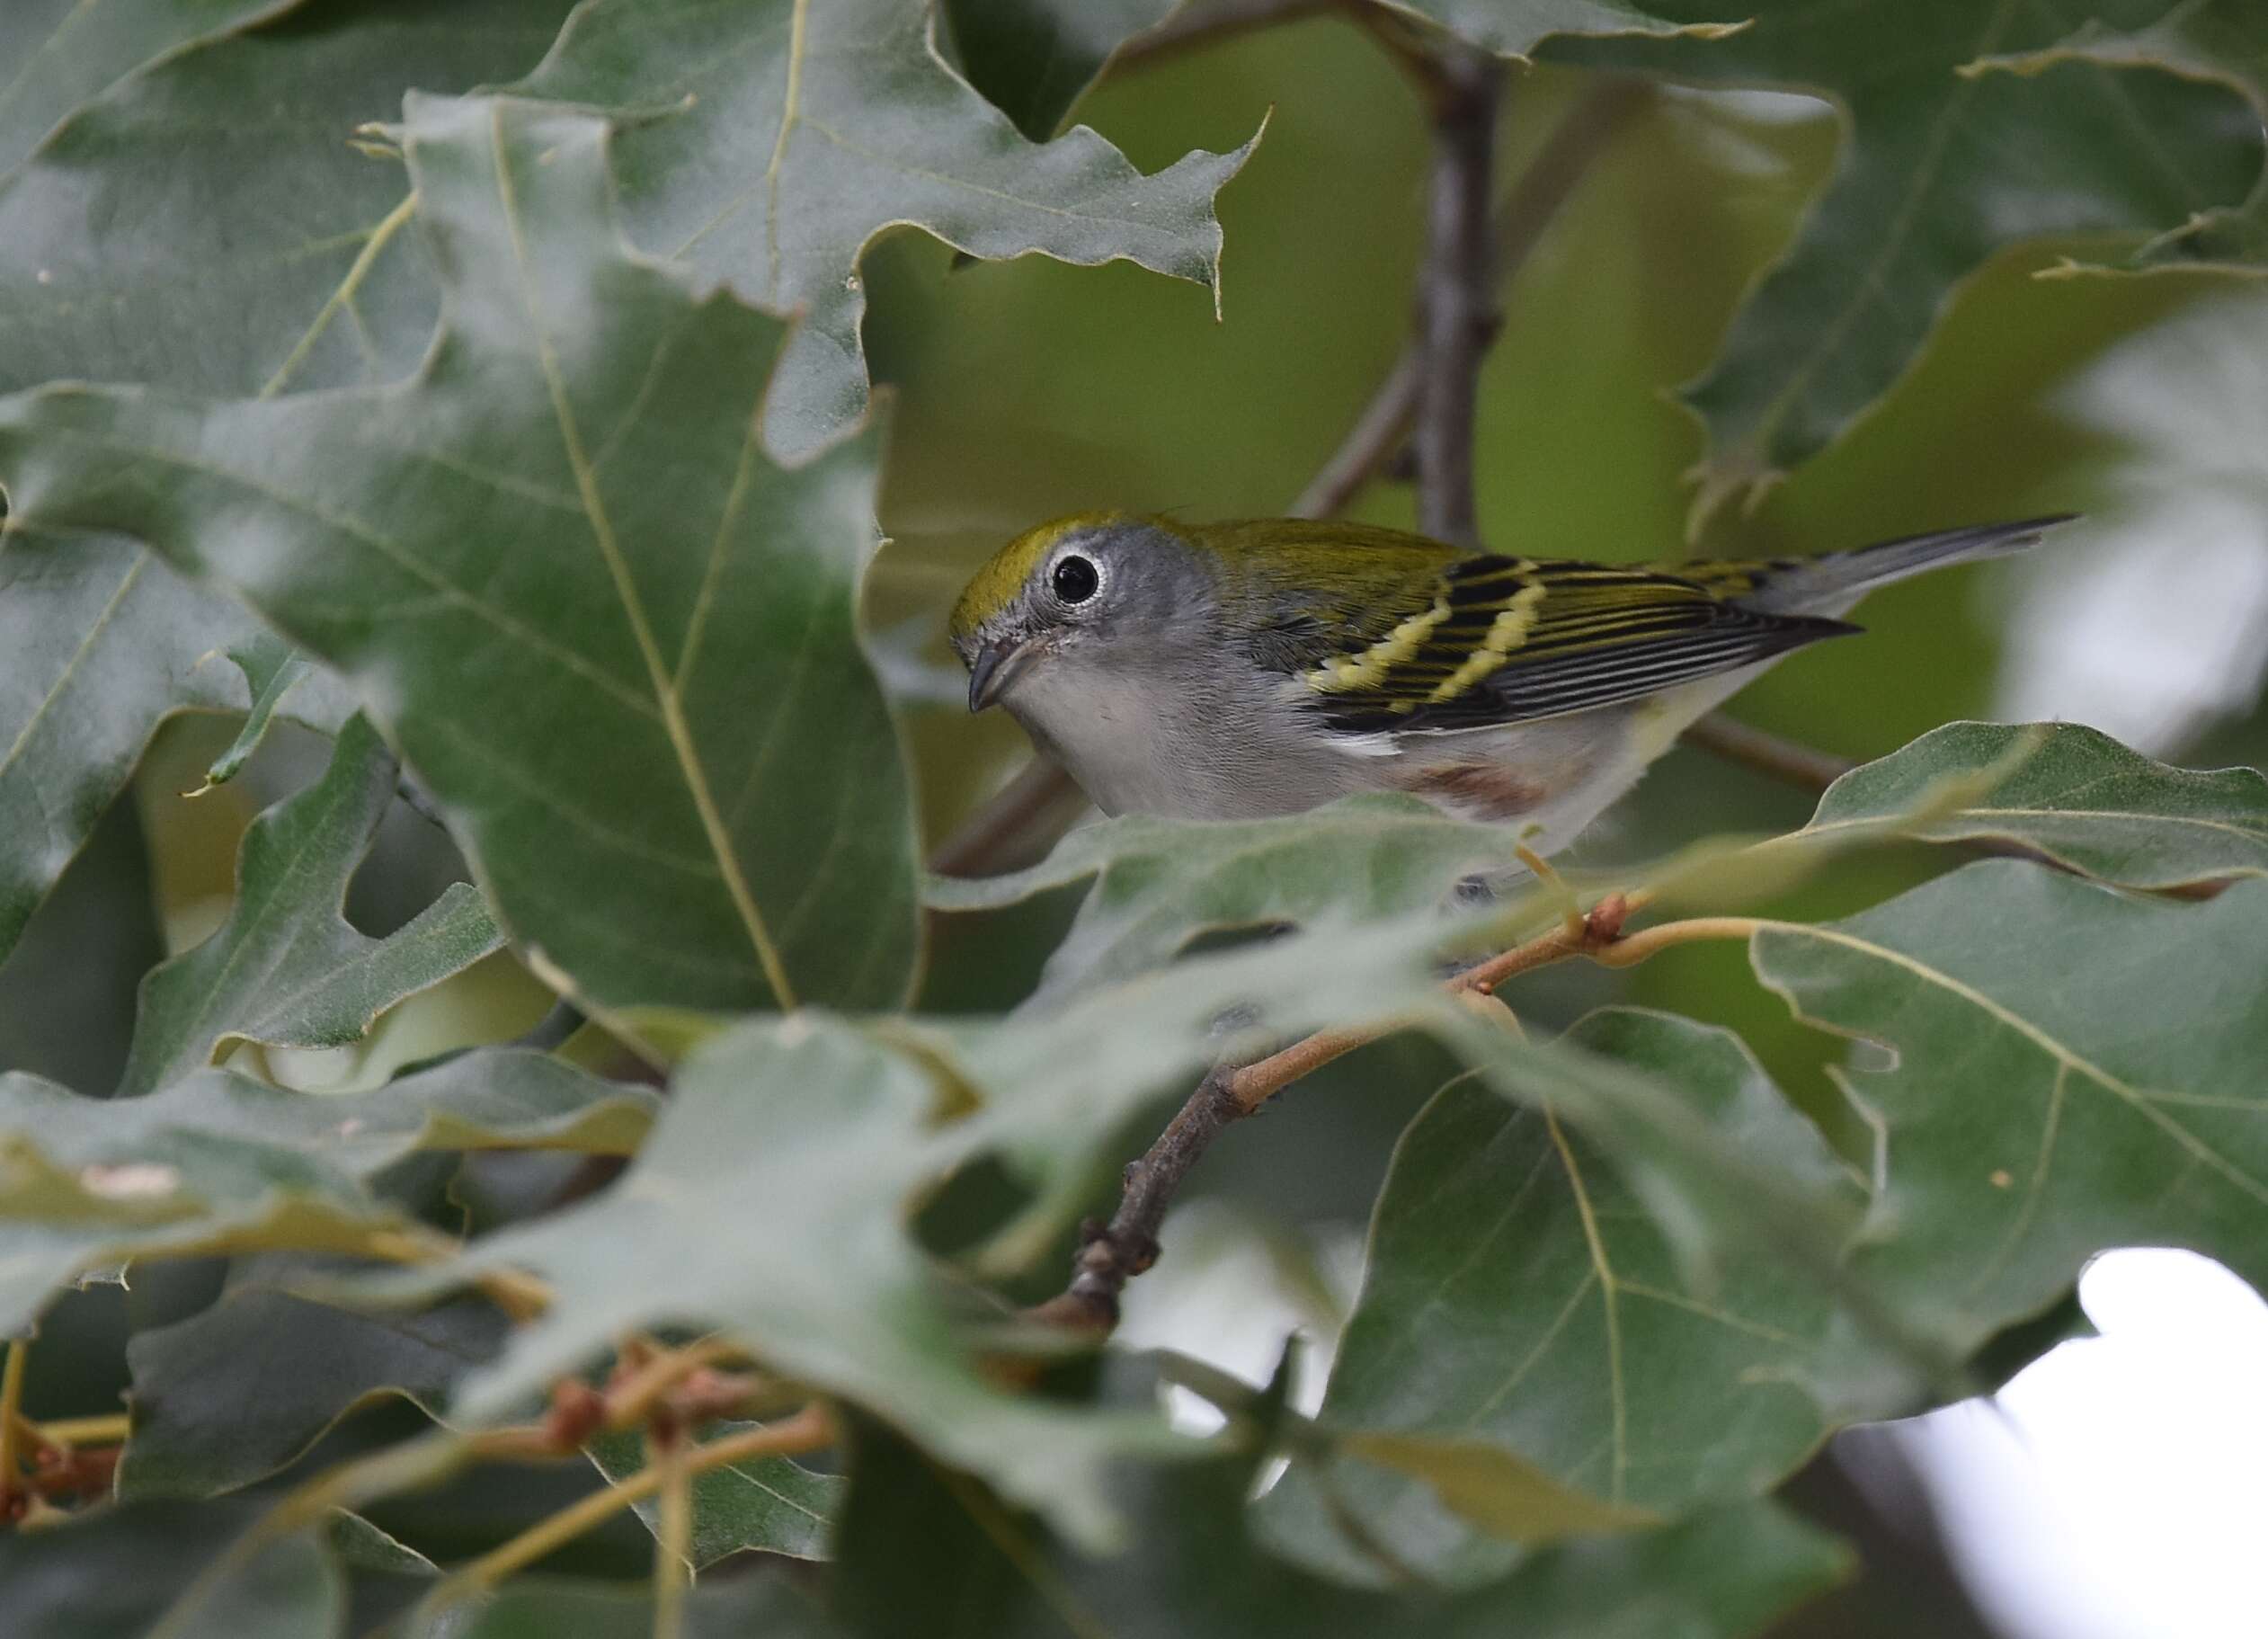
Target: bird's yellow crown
(994,586)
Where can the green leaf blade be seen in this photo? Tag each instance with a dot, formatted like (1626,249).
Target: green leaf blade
(1161,884)
(602,624)
(2073,1069)
(245,1389)
(1943,169)
(271,669)
(2215,40)
(104,641)
(1518,1298)
(774,143)
(64,53)
(768,1505)
(287,967)
(2078,796)
(303,278)
(220,1160)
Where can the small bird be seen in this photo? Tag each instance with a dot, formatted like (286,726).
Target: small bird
(1228,671)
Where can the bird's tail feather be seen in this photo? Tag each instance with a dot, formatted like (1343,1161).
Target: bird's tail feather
(1833,582)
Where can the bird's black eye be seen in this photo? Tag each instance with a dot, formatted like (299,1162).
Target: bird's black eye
(1076,579)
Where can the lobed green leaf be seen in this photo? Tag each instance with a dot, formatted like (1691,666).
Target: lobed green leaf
(302,278)
(602,624)
(766,144)
(287,967)
(1519,1295)
(1942,169)
(2208,40)
(220,1161)
(2078,796)
(2061,1069)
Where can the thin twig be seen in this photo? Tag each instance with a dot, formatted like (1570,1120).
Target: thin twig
(1111,1254)
(808,1430)
(551,1031)
(1381,430)
(68,1431)
(996,836)
(1457,294)
(673,1536)
(416,801)
(1583,133)
(1791,761)
(10,1413)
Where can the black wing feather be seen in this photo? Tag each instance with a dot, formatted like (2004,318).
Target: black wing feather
(1510,640)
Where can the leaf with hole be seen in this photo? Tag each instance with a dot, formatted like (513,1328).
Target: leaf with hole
(286,967)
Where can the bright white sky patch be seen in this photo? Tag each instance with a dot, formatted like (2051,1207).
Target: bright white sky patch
(2121,1491)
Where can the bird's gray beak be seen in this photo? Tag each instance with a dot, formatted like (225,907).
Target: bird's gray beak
(997,666)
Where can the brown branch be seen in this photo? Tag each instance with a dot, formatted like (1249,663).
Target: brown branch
(1032,808)
(1802,766)
(1111,1254)
(1206,24)
(1382,429)
(1584,132)
(1457,304)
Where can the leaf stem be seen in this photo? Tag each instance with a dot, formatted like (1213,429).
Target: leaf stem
(10,1414)
(674,1541)
(66,1432)
(389,226)
(1651,941)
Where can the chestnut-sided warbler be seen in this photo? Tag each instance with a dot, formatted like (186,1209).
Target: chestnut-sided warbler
(1230,670)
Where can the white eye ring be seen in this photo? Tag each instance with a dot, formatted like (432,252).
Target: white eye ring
(1074,578)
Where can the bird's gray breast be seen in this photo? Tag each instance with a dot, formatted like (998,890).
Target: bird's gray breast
(1198,737)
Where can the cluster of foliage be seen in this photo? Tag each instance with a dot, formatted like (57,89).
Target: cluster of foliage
(484,379)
